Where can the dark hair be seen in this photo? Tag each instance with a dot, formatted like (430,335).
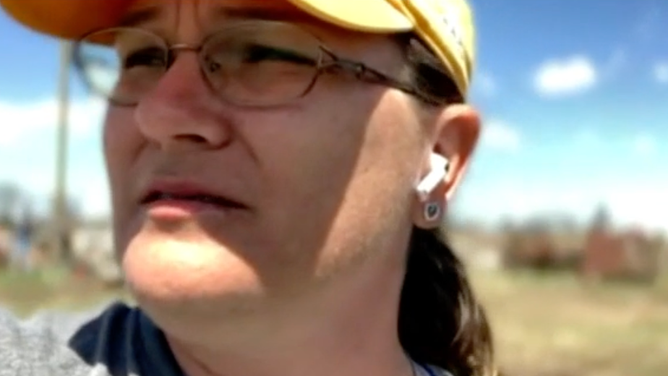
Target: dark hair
(441,321)
(427,74)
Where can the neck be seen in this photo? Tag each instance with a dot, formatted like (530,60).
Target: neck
(346,330)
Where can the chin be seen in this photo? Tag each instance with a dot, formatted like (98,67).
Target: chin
(181,278)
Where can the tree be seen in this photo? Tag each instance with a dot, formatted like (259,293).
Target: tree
(62,226)
(602,219)
(10,201)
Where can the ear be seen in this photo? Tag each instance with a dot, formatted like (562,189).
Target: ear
(455,136)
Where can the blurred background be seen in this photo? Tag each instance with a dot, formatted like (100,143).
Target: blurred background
(562,222)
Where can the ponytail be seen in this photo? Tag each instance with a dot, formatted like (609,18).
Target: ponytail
(441,323)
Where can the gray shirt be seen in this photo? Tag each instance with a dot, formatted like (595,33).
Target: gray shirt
(116,340)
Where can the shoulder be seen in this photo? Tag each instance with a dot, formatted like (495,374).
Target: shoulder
(431,370)
(57,343)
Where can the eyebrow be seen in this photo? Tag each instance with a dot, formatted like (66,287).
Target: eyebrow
(141,16)
(258,12)
(145,15)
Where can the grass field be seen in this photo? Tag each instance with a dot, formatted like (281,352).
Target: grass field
(545,325)
(553,325)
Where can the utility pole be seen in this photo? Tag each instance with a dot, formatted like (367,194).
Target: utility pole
(60,209)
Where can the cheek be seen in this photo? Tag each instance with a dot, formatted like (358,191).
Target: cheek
(305,164)
(122,140)
(373,217)
(379,191)
(336,177)
(122,144)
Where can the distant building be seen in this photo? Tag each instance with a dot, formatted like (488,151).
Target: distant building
(627,254)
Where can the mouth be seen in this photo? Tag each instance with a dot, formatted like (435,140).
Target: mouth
(156,196)
(188,200)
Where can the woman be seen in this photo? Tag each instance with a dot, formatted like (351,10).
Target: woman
(278,172)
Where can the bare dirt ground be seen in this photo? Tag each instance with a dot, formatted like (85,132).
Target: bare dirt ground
(545,325)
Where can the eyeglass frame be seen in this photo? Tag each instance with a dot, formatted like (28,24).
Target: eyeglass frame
(359,70)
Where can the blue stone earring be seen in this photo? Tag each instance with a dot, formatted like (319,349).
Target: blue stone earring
(432,210)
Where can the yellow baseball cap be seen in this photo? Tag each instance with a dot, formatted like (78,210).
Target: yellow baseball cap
(446,26)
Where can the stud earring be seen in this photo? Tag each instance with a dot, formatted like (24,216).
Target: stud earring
(432,210)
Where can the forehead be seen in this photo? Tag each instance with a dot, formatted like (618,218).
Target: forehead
(142,12)
(163,16)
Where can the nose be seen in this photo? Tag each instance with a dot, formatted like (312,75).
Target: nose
(180,113)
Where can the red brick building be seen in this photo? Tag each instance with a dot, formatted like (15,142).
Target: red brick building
(620,255)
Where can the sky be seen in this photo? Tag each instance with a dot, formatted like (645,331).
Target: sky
(573,96)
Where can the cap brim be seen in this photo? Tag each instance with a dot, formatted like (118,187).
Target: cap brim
(70,19)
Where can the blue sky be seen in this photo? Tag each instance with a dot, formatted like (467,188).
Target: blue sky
(574,95)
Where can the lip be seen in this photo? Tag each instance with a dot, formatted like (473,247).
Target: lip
(176,199)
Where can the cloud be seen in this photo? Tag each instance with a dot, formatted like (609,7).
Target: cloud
(500,136)
(522,198)
(630,203)
(661,72)
(22,121)
(95,196)
(645,145)
(86,184)
(566,76)
(639,203)
(28,140)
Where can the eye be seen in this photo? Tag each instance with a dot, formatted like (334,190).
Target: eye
(147,57)
(255,53)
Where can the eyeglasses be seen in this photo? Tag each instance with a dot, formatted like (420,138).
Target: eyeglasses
(249,63)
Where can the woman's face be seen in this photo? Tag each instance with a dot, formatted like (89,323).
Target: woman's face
(298,194)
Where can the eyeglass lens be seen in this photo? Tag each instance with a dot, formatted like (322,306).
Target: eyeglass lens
(254,63)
